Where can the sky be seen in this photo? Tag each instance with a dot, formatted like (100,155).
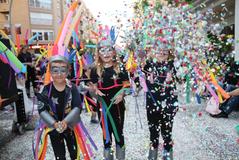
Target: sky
(112,13)
(109,11)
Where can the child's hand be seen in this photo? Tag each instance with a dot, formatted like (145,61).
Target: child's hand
(98,92)
(119,98)
(64,125)
(93,88)
(60,126)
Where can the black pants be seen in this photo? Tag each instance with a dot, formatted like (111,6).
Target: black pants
(161,121)
(58,145)
(31,77)
(117,112)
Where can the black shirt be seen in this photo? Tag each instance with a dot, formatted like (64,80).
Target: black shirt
(58,99)
(108,79)
(59,104)
(158,71)
(26,58)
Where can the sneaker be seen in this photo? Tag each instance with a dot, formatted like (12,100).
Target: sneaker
(220,115)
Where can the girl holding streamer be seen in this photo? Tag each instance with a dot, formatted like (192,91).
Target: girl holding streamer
(161,101)
(109,81)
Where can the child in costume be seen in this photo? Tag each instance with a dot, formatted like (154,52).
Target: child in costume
(59,107)
(161,101)
(109,81)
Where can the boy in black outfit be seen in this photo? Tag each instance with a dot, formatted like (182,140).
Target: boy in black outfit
(59,107)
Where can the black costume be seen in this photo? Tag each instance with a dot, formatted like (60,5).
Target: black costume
(110,79)
(161,101)
(55,106)
(31,75)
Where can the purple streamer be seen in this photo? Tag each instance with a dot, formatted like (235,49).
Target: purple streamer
(87,134)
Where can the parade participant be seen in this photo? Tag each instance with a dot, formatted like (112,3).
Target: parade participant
(59,107)
(108,78)
(161,101)
(26,58)
(84,90)
(230,104)
(89,95)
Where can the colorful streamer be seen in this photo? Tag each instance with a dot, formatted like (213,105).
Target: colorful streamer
(12,59)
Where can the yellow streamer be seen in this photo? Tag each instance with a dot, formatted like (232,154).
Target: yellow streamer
(214,80)
(80,63)
(47,130)
(131,65)
(12,44)
(43,52)
(86,104)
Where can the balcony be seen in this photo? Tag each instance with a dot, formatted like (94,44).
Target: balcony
(4,7)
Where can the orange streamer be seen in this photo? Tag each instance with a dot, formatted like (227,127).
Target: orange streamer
(81,144)
(42,156)
(222,91)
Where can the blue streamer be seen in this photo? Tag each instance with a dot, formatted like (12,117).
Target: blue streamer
(106,124)
(112,35)
(198,98)
(30,41)
(75,65)
(90,46)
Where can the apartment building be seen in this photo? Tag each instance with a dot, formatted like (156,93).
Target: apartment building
(38,16)
(42,16)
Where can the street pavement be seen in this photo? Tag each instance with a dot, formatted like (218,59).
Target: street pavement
(197,136)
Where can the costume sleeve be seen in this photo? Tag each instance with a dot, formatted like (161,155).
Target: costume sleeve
(123,74)
(42,104)
(74,116)
(147,66)
(173,71)
(42,100)
(76,98)
(93,76)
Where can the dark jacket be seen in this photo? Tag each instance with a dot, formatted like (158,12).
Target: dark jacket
(72,101)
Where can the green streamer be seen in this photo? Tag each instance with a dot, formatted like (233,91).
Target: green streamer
(187,88)
(108,113)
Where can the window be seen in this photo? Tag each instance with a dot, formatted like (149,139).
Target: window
(41,18)
(45,4)
(7,17)
(40,36)
(3,1)
(43,35)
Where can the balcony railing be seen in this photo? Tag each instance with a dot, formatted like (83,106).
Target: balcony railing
(4,7)
(41,5)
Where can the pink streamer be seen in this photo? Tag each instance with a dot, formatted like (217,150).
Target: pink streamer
(61,47)
(84,139)
(3,58)
(213,93)
(26,37)
(143,84)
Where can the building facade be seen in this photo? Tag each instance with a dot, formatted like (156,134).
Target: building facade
(39,16)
